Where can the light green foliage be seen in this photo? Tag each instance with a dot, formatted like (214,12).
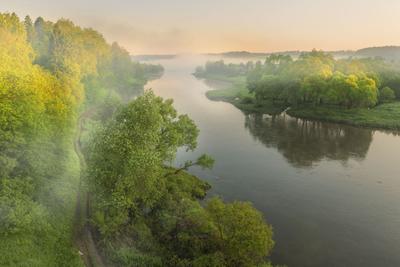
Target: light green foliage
(314,78)
(19,214)
(244,239)
(126,158)
(205,161)
(149,218)
(150,213)
(352,91)
(316,86)
(218,235)
(46,71)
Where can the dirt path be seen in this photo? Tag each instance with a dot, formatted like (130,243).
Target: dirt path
(82,235)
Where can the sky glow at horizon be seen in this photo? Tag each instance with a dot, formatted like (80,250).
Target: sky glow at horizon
(178,26)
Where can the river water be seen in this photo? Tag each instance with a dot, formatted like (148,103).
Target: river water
(331,192)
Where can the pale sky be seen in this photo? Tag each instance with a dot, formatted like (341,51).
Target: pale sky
(184,26)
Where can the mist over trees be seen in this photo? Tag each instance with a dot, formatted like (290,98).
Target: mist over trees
(385,52)
(143,212)
(315,78)
(48,73)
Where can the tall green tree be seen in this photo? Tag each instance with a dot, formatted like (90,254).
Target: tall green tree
(126,159)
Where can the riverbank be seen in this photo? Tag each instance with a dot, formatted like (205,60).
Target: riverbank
(383,116)
(233,90)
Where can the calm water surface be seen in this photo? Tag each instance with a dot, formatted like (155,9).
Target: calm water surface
(331,192)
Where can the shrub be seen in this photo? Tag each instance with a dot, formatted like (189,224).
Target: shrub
(386,94)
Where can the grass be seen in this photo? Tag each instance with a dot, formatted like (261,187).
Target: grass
(218,77)
(234,91)
(384,116)
(230,89)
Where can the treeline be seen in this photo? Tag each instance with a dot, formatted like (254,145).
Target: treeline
(143,212)
(49,72)
(315,78)
(149,214)
(220,68)
(386,52)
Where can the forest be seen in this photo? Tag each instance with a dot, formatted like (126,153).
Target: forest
(61,85)
(313,83)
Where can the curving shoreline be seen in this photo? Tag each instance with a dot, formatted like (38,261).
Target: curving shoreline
(384,116)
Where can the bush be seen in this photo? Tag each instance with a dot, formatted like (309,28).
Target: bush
(247,100)
(386,94)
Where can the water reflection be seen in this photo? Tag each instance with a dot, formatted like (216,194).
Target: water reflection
(304,143)
(339,213)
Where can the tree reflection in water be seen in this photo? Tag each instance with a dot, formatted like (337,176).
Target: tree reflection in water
(304,143)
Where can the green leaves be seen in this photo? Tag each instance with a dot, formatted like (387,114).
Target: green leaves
(19,214)
(243,237)
(222,234)
(386,94)
(135,194)
(317,78)
(46,71)
(126,158)
(205,161)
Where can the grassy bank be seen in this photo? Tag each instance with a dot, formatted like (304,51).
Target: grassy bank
(233,90)
(384,116)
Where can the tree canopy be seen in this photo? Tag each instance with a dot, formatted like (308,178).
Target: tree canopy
(314,78)
(137,197)
(49,72)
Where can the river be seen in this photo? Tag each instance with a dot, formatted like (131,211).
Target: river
(331,192)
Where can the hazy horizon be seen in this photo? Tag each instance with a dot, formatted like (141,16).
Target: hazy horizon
(177,26)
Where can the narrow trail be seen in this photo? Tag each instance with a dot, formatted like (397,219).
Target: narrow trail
(82,234)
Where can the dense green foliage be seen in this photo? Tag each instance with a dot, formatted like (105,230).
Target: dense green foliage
(314,78)
(149,213)
(317,78)
(146,213)
(48,72)
(386,94)
(313,82)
